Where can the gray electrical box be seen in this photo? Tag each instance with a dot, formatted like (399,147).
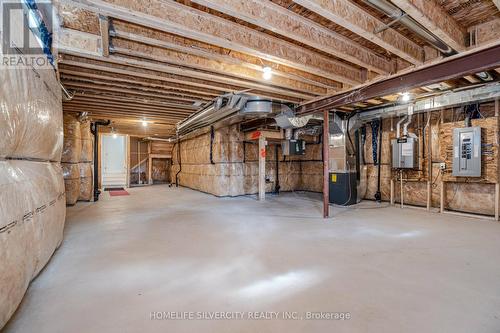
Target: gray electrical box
(467,152)
(405,153)
(293,147)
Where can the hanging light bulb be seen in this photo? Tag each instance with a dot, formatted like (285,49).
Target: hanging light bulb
(268,73)
(405,97)
(113,131)
(144,123)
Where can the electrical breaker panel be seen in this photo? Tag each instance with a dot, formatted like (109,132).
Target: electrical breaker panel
(405,153)
(467,152)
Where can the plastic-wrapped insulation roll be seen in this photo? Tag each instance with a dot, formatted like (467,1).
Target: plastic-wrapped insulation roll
(30,114)
(87,152)
(32,214)
(72,147)
(71,173)
(86,188)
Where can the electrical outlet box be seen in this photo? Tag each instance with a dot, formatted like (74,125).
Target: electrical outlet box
(467,152)
(442,166)
(405,153)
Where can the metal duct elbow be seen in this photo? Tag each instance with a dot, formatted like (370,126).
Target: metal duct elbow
(398,126)
(405,126)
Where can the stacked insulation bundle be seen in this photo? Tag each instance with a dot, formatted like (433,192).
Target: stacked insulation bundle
(71,154)
(32,205)
(85,165)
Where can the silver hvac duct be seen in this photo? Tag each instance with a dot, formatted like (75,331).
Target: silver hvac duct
(231,105)
(397,14)
(288,120)
(222,107)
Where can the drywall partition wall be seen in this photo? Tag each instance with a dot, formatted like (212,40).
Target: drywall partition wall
(30,114)
(229,166)
(464,194)
(32,213)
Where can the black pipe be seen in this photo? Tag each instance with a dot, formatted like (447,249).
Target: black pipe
(277,161)
(180,164)
(244,151)
(95,130)
(212,135)
(378,195)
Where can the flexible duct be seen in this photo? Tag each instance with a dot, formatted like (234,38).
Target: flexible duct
(396,13)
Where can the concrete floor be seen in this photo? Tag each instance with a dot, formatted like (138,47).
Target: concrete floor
(171,250)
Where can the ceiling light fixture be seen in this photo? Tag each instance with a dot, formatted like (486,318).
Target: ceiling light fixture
(406,97)
(268,73)
(144,123)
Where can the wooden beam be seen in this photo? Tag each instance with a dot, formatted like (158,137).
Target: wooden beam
(93,87)
(160,64)
(350,16)
(118,67)
(185,21)
(227,71)
(109,112)
(273,17)
(497,3)
(104,26)
(68,40)
(172,113)
(118,75)
(434,18)
(166,94)
(134,101)
(180,44)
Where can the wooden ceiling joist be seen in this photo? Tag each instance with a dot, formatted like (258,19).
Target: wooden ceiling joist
(168,112)
(191,23)
(120,112)
(355,19)
(114,63)
(137,101)
(130,31)
(497,3)
(433,17)
(165,93)
(229,73)
(138,34)
(279,20)
(89,71)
